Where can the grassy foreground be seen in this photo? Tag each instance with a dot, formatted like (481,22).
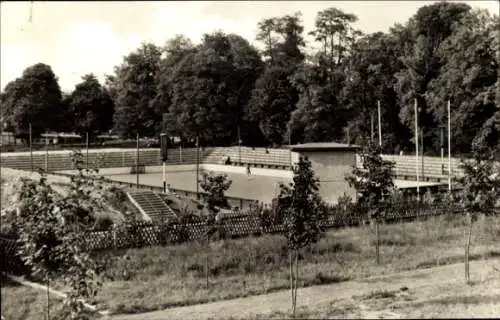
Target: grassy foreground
(25,303)
(160,277)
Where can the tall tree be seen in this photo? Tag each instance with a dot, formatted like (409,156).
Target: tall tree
(334,31)
(91,106)
(267,34)
(134,86)
(274,97)
(430,26)
(33,98)
(175,50)
(371,67)
(210,87)
(321,114)
(468,77)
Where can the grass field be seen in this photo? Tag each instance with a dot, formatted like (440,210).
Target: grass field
(161,277)
(25,303)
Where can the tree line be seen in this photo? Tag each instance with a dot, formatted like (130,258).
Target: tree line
(224,90)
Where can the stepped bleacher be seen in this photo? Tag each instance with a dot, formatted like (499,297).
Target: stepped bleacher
(432,169)
(257,157)
(152,205)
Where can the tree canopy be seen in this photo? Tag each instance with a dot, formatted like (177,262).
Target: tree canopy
(224,89)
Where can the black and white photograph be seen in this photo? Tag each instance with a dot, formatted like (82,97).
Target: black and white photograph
(249,160)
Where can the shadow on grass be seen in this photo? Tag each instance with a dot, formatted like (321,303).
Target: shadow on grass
(319,279)
(379,294)
(456,259)
(464,300)
(7,283)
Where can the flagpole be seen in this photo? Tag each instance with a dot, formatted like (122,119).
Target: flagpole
(449,147)
(416,149)
(379,125)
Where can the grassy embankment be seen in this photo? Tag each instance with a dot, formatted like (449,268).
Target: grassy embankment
(161,277)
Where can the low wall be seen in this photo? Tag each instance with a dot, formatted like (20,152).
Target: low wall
(192,167)
(243,170)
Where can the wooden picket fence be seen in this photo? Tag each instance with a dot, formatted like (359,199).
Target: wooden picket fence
(149,234)
(143,234)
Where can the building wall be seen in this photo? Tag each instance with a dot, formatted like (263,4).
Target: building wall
(331,168)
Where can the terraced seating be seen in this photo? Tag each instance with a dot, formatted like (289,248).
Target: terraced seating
(152,205)
(432,168)
(256,157)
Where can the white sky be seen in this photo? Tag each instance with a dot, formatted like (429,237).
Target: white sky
(76,38)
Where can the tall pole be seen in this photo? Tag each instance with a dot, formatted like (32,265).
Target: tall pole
(197,166)
(137,162)
(164,145)
(290,146)
(442,150)
(31,147)
(164,177)
(239,145)
(46,151)
(416,148)
(87,148)
(371,127)
(422,152)
(449,147)
(379,125)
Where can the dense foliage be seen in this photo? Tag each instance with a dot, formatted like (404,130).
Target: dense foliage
(223,89)
(50,229)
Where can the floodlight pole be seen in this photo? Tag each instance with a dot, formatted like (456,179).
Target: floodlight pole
(87,148)
(442,149)
(46,152)
(31,147)
(162,139)
(422,153)
(137,162)
(416,149)
(371,127)
(379,124)
(197,167)
(449,147)
(239,145)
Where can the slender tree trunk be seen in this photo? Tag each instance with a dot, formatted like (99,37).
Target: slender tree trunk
(290,258)
(206,262)
(296,281)
(467,250)
(48,299)
(377,245)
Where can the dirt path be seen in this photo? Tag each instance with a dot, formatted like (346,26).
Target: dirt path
(319,296)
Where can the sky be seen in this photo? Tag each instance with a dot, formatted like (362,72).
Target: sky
(77,38)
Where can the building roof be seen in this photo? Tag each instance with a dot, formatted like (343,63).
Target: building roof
(324,146)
